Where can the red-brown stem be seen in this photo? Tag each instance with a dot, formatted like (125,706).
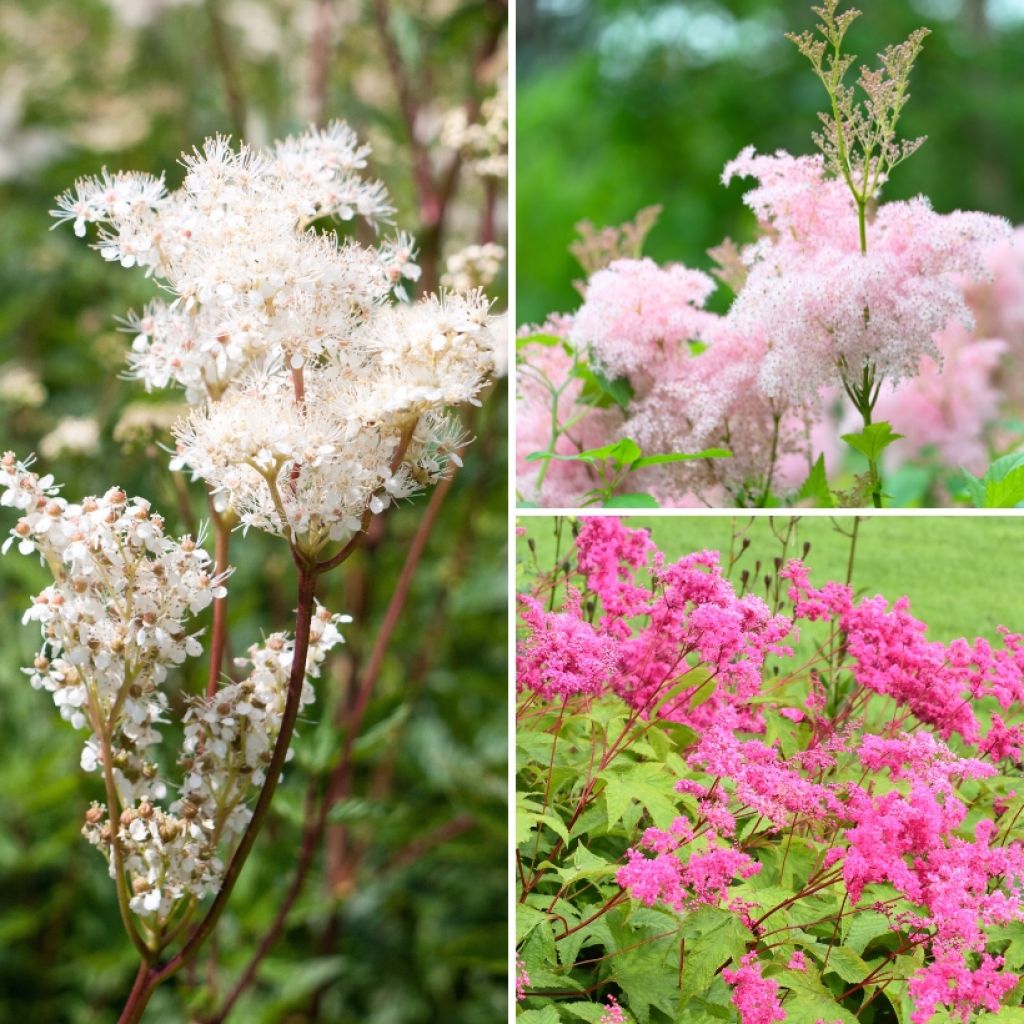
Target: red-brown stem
(430,212)
(228,72)
(147,982)
(341,779)
(312,832)
(219,630)
(136,998)
(315,824)
(320,49)
(487,227)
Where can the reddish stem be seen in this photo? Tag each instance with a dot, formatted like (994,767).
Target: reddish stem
(219,630)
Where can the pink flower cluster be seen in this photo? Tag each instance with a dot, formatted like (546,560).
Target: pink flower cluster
(613,1013)
(935,682)
(563,654)
(638,317)
(754,996)
(830,309)
(813,312)
(703,879)
(894,803)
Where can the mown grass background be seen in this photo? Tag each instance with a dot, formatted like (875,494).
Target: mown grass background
(964,575)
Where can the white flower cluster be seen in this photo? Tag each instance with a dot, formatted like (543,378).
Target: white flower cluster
(484,142)
(371,427)
(113,622)
(114,618)
(168,857)
(234,246)
(475,266)
(230,737)
(318,398)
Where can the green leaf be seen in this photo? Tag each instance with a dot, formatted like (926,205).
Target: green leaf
(548,340)
(623,452)
(660,460)
(1006,492)
(617,389)
(631,501)
(808,1009)
(647,784)
(715,946)
(872,440)
(1003,483)
(865,925)
(592,1012)
(816,487)
(528,918)
(847,964)
(546,1015)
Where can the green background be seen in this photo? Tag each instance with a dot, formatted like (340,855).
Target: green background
(964,574)
(626,103)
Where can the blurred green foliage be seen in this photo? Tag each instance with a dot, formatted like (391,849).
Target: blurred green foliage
(403,916)
(625,103)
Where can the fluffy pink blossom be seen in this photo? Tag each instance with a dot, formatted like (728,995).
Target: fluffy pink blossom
(608,554)
(754,996)
(636,316)
(832,310)
(664,878)
(797,962)
(951,406)
(697,615)
(522,980)
(613,1013)
(715,400)
(561,654)
(950,982)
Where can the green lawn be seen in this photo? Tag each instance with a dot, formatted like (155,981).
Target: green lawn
(964,576)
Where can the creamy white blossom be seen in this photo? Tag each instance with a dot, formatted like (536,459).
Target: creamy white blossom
(115,618)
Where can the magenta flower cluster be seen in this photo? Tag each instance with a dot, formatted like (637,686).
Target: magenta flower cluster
(885,776)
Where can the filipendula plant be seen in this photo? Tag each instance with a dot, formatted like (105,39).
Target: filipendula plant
(716,824)
(319,397)
(841,296)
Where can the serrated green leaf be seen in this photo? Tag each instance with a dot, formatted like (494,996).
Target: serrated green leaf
(527,918)
(545,1015)
(592,1012)
(847,964)
(864,926)
(872,440)
(816,488)
(1007,491)
(808,1009)
(713,948)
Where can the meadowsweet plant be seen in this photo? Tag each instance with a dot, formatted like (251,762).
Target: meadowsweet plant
(318,396)
(841,299)
(760,801)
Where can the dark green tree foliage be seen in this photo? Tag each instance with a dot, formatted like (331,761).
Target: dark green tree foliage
(621,104)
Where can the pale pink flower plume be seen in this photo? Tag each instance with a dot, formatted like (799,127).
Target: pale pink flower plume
(637,316)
